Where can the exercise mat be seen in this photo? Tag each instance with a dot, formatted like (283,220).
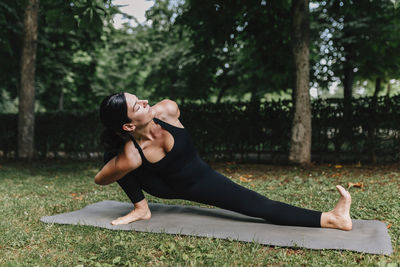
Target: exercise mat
(368,236)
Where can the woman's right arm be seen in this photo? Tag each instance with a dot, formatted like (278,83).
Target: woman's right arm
(126,161)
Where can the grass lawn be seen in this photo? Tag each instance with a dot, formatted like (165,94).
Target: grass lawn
(29,191)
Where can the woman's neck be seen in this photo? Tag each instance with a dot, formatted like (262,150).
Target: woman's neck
(146,132)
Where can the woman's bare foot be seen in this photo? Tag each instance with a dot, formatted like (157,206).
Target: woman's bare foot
(339,217)
(141,212)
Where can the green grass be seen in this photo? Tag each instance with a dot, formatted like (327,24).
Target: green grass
(29,191)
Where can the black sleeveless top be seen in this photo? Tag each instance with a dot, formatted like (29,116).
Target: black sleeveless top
(176,162)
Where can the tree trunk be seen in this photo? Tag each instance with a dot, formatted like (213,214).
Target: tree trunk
(372,123)
(26,112)
(300,143)
(388,89)
(345,130)
(61,101)
(377,89)
(255,97)
(221,94)
(348,67)
(348,88)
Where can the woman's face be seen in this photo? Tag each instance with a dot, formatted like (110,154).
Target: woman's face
(139,111)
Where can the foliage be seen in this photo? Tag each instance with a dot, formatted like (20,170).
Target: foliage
(11,27)
(190,51)
(396,3)
(175,72)
(29,191)
(69,34)
(362,34)
(246,44)
(119,67)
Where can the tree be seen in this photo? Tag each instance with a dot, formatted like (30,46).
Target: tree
(26,115)
(175,71)
(70,40)
(359,41)
(300,145)
(81,22)
(243,44)
(11,31)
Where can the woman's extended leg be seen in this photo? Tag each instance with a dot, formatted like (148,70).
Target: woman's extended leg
(215,189)
(218,190)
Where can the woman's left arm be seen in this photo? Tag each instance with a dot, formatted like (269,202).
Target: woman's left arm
(126,161)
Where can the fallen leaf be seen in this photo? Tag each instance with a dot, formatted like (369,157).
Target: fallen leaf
(245,180)
(77,197)
(390,225)
(252,185)
(294,252)
(338,166)
(359,185)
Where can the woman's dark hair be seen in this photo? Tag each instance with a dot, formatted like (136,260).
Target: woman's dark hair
(113,114)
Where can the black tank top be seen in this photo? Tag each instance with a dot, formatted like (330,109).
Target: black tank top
(182,155)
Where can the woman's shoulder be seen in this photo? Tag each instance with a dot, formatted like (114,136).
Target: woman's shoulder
(167,109)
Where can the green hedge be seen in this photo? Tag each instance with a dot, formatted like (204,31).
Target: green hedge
(237,130)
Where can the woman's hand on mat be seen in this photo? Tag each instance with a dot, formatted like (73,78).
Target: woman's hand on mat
(141,212)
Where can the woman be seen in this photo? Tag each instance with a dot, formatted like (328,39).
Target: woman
(148,148)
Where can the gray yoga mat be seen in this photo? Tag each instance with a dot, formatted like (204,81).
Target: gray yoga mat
(368,236)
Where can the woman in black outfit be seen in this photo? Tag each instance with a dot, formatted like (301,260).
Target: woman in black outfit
(148,148)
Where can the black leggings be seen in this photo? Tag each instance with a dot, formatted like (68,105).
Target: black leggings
(216,190)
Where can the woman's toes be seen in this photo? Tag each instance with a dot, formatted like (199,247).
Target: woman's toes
(116,222)
(348,225)
(345,195)
(341,190)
